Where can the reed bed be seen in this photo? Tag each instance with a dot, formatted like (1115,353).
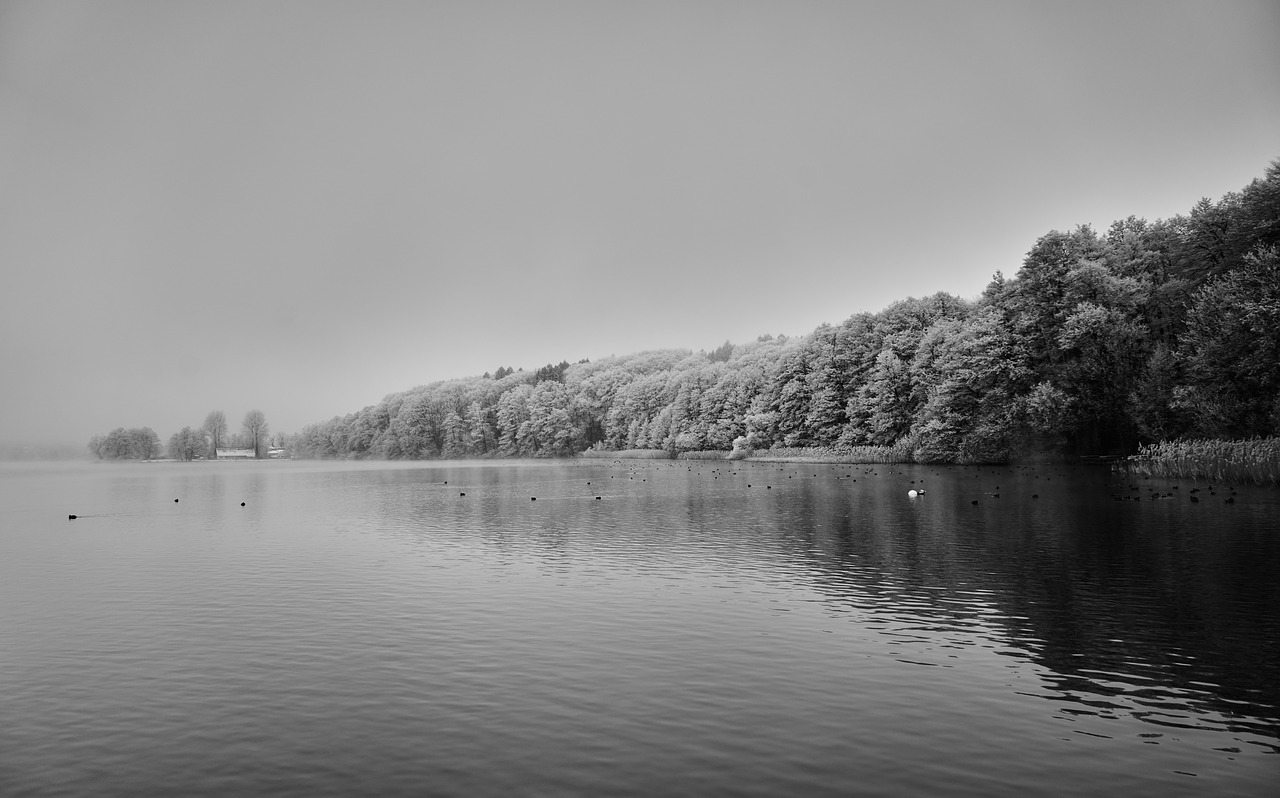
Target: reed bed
(853,455)
(850,455)
(706,454)
(628,454)
(1256,460)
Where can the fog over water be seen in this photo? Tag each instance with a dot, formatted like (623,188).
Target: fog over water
(303,206)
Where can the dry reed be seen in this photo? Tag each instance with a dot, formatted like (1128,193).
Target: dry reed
(1256,460)
(706,454)
(627,454)
(848,455)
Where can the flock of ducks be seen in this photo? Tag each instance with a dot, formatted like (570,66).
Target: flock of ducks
(912,493)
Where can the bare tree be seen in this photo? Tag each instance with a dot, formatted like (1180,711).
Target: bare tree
(215,426)
(255,427)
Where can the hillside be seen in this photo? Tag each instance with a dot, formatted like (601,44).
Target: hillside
(1100,342)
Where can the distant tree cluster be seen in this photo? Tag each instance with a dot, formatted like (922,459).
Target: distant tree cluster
(187,443)
(1150,331)
(137,443)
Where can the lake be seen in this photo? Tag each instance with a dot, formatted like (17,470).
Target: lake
(634,628)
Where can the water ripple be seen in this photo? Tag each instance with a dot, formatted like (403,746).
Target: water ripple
(370,629)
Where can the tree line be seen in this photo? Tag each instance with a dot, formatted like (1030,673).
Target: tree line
(1151,330)
(142,443)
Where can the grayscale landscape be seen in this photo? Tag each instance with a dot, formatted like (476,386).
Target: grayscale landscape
(580,398)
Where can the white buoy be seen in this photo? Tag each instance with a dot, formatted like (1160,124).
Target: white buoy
(912,493)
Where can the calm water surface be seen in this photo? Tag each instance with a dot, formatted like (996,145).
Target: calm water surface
(698,629)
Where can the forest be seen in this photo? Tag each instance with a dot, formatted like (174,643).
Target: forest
(1101,342)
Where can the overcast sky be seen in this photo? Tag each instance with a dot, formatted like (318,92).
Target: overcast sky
(300,207)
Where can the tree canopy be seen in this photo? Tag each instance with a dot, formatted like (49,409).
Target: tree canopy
(1099,342)
(137,443)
